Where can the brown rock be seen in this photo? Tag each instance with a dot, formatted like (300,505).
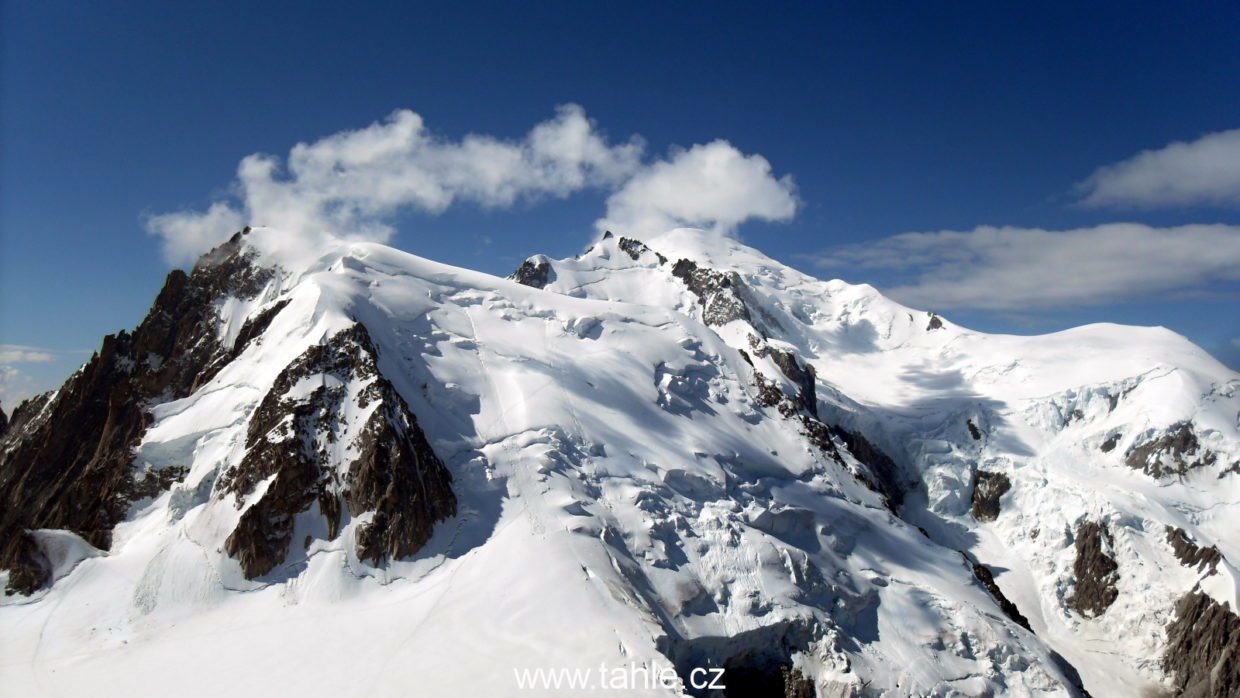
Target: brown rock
(988,489)
(396,474)
(1203,648)
(1173,453)
(984,575)
(66,458)
(1189,553)
(1096,572)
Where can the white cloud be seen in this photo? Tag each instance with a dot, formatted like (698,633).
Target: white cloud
(1006,269)
(713,186)
(1205,171)
(349,184)
(18,353)
(188,234)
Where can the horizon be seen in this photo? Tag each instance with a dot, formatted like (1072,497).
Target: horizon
(924,151)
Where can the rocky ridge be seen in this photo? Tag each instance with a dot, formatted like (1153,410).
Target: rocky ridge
(66,462)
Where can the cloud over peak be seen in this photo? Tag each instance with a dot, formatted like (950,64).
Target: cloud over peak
(352,183)
(1205,171)
(712,186)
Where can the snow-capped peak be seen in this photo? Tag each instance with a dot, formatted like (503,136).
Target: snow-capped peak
(673,451)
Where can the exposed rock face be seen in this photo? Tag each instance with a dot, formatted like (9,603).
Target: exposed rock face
(804,377)
(1173,453)
(882,475)
(988,489)
(330,401)
(27,412)
(534,272)
(1111,442)
(984,575)
(974,432)
(797,685)
(936,323)
(1095,571)
(1190,554)
(717,291)
(66,460)
(881,466)
(636,248)
(255,327)
(1203,648)
(4,421)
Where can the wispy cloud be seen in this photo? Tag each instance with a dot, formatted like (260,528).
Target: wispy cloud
(18,353)
(1205,171)
(351,184)
(1023,269)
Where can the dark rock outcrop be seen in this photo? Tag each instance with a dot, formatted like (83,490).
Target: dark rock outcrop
(974,432)
(1095,572)
(29,411)
(797,685)
(534,272)
(1190,554)
(635,249)
(255,327)
(4,421)
(988,489)
(1203,648)
(292,437)
(936,323)
(1110,443)
(881,473)
(1174,453)
(66,460)
(983,574)
(717,291)
(887,474)
(803,376)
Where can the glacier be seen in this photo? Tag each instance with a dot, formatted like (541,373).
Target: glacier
(668,452)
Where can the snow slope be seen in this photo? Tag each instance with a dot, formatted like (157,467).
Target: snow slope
(1045,406)
(629,491)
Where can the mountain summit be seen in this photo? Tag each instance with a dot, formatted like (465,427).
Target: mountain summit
(350,470)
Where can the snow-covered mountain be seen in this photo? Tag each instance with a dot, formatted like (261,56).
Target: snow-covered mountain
(360,472)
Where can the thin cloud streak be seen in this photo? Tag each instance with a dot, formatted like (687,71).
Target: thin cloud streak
(1205,171)
(11,354)
(1023,269)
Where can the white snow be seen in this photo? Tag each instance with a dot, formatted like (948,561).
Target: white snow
(619,482)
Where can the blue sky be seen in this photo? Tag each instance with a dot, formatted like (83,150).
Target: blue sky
(878,120)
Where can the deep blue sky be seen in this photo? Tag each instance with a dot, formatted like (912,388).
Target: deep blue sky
(891,119)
